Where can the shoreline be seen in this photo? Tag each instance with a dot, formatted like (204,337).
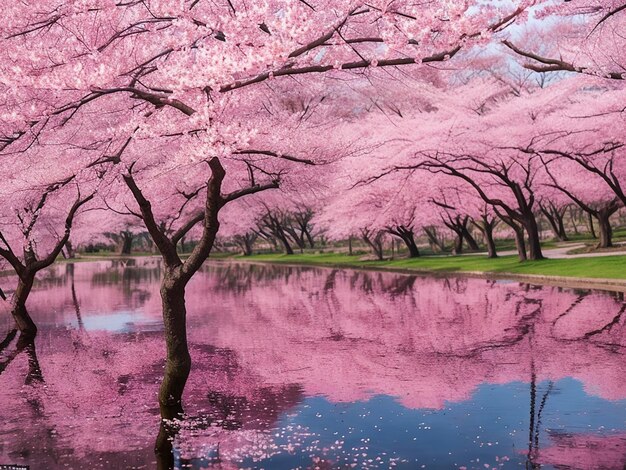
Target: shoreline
(567,282)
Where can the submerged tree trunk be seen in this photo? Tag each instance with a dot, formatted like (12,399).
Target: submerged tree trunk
(24,322)
(178,360)
(177,274)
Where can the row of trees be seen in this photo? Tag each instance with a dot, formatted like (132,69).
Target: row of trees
(185,115)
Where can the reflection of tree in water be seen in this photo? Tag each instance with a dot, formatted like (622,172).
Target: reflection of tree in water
(237,278)
(430,339)
(238,403)
(24,345)
(35,384)
(129,277)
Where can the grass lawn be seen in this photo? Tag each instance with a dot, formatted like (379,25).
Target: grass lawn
(607,267)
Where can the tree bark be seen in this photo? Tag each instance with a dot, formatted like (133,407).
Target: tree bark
(467,235)
(606,232)
(127,242)
(573,219)
(69,250)
(24,322)
(286,245)
(178,360)
(458,244)
(435,244)
(534,244)
(245,242)
(518,231)
(309,237)
(375,242)
(406,234)
(591,228)
(414,252)
(520,244)
(555,216)
(491,244)
(486,226)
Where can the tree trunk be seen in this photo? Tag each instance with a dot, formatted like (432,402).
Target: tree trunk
(469,239)
(534,244)
(127,243)
(34,374)
(377,249)
(286,245)
(573,219)
(350,246)
(309,237)
(405,234)
(606,232)
(178,360)
(491,244)
(555,216)
(486,226)
(246,247)
(409,241)
(562,233)
(435,244)
(591,229)
(70,250)
(458,244)
(520,244)
(24,322)
(375,243)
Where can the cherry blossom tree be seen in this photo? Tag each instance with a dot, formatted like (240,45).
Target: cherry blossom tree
(586,37)
(42,199)
(184,84)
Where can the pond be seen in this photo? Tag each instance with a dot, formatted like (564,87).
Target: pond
(316,368)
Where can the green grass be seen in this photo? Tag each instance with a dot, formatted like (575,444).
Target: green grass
(607,267)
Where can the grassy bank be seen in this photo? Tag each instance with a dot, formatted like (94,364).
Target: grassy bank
(605,267)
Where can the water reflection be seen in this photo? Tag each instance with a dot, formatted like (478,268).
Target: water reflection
(315,368)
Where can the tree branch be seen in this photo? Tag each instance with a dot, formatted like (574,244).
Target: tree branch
(165,246)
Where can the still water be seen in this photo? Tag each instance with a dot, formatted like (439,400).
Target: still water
(317,368)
